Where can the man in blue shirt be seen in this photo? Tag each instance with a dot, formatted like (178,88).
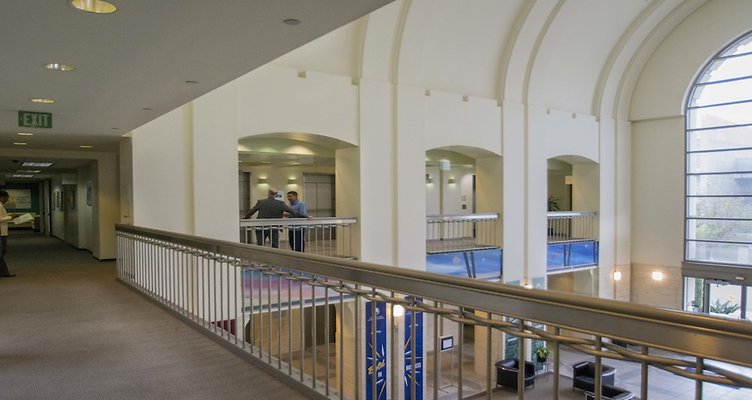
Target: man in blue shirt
(296,235)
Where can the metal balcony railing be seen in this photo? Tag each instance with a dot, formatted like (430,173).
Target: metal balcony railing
(450,233)
(572,240)
(351,330)
(323,236)
(572,226)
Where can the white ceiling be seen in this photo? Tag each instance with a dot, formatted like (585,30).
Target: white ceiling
(133,65)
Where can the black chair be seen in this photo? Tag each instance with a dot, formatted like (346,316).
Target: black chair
(506,373)
(609,392)
(583,375)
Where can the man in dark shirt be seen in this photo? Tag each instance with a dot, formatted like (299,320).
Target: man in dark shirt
(270,207)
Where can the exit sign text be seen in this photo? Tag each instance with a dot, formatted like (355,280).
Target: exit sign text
(31,119)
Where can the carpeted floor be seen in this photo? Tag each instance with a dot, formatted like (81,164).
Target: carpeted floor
(69,330)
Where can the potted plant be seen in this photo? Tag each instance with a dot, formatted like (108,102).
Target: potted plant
(553,204)
(541,353)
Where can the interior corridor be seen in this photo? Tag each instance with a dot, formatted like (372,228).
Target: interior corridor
(70,330)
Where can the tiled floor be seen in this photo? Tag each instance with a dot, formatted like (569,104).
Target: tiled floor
(663,385)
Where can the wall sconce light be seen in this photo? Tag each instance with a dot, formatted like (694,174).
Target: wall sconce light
(292,181)
(428,179)
(398,311)
(451,181)
(617,276)
(657,275)
(262,181)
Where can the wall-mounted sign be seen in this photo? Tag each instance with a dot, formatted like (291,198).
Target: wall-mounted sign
(31,119)
(447,342)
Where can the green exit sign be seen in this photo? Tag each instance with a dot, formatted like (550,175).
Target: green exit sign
(31,119)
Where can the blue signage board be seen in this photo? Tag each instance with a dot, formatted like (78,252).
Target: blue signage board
(417,319)
(376,355)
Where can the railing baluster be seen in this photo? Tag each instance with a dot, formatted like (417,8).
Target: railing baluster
(289,324)
(699,367)
(269,313)
(314,328)
(461,346)
(279,321)
(302,329)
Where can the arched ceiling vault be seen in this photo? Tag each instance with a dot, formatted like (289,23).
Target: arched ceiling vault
(580,56)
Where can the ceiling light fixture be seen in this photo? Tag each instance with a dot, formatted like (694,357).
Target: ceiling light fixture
(59,67)
(20,143)
(36,164)
(94,6)
(292,21)
(29,171)
(146,108)
(21,176)
(191,82)
(42,100)
(25,134)
(85,146)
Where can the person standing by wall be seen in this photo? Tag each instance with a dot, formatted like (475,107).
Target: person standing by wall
(296,235)
(4,218)
(268,208)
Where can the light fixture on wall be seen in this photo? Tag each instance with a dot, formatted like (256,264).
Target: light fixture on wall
(451,181)
(617,276)
(292,181)
(657,275)
(398,311)
(428,179)
(262,181)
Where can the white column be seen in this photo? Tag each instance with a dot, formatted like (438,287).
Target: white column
(215,164)
(515,197)
(410,180)
(377,170)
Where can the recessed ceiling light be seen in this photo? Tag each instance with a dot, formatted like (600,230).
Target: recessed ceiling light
(42,100)
(25,134)
(85,146)
(292,21)
(20,143)
(59,67)
(21,176)
(36,164)
(94,6)
(29,171)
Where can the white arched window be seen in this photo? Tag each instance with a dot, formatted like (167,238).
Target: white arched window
(719,160)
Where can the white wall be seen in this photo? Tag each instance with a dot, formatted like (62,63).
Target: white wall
(163,172)
(277,99)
